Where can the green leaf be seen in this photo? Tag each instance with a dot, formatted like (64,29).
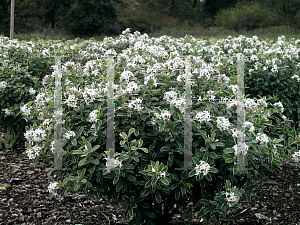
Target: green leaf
(183,190)
(203,201)
(79,152)
(124,136)
(96,161)
(79,132)
(177,193)
(189,184)
(73,141)
(205,157)
(212,155)
(82,162)
(131,178)
(145,192)
(204,194)
(116,179)
(208,177)
(213,170)
(150,214)
(144,150)
(157,197)
(130,132)
(173,186)
(164,181)
(192,173)
(228,150)
(152,146)
(205,211)
(157,110)
(119,186)
(148,184)
(229,160)
(126,198)
(161,127)
(227,184)
(94,148)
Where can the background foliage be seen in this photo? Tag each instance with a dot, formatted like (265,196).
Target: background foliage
(109,17)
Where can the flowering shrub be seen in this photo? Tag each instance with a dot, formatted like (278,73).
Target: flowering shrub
(23,68)
(149,142)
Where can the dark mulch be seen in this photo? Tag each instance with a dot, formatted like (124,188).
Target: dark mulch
(27,201)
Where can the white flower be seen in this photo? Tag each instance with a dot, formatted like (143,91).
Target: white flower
(159,174)
(170,95)
(165,115)
(112,163)
(3,84)
(150,77)
(35,135)
(295,77)
(93,116)
(223,123)
(262,102)
(33,152)
(223,78)
(52,187)
(263,138)
(296,156)
(41,99)
(126,75)
(231,103)
(203,116)
(71,102)
(250,103)
(178,103)
(25,110)
(135,104)
(250,126)
(234,88)
(52,146)
(69,134)
(203,168)
(279,105)
(7,112)
(231,198)
(241,148)
(46,80)
(32,91)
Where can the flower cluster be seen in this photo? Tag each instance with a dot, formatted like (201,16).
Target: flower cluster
(203,168)
(112,163)
(93,116)
(203,116)
(296,156)
(37,135)
(3,84)
(223,123)
(159,174)
(279,105)
(69,134)
(33,152)
(231,198)
(135,104)
(241,148)
(165,115)
(52,187)
(262,138)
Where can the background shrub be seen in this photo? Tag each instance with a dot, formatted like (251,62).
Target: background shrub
(247,16)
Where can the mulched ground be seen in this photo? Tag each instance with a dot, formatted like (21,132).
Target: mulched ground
(27,201)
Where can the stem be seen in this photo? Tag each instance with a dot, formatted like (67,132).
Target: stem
(149,94)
